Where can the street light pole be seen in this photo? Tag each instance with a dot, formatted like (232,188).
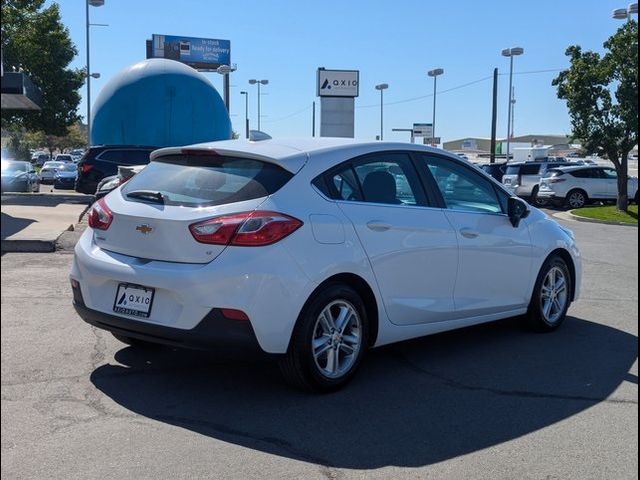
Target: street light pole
(93,3)
(510,52)
(258,83)
(382,87)
(225,70)
(246,113)
(434,73)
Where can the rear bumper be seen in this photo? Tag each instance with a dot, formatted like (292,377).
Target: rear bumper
(214,332)
(263,283)
(551,195)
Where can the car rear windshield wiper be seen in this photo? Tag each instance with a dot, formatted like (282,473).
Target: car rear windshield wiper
(151,195)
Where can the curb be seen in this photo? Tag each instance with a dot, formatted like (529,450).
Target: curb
(578,218)
(32,246)
(28,246)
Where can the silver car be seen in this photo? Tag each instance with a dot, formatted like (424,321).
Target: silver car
(523,178)
(19,176)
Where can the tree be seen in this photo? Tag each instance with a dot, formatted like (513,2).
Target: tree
(35,41)
(605,123)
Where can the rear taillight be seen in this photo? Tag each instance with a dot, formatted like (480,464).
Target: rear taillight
(248,229)
(85,167)
(100,217)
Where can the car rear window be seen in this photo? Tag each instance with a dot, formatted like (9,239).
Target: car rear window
(513,170)
(126,157)
(554,173)
(199,181)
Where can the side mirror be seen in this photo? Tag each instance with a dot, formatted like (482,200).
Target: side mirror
(518,209)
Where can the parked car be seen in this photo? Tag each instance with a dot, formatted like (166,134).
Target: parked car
(76,155)
(109,184)
(495,170)
(102,161)
(39,158)
(306,250)
(523,178)
(64,157)
(578,186)
(18,176)
(48,171)
(65,177)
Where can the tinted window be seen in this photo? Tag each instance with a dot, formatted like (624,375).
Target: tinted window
(126,157)
(530,169)
(609,174)
(195,181)
(389,178)
(345,185)
(462,188)
(584,173)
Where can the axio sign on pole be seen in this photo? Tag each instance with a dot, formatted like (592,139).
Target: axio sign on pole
(337,90)
(199,53)
(338,83)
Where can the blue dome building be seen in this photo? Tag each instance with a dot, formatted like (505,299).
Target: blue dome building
(159,102)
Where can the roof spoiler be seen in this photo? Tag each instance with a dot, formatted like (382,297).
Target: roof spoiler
(258,136)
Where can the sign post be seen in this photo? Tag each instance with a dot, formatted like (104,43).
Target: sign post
(337,90)
(423,130)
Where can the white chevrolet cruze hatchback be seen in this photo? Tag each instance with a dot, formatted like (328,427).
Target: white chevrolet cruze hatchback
(316,250)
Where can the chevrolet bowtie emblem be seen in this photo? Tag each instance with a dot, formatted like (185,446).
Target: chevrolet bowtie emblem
(144,229)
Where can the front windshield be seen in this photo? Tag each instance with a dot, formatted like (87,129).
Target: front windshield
(14,167)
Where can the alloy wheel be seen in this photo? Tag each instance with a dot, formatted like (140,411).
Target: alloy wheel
(337,339)
(577,200)
(554,295)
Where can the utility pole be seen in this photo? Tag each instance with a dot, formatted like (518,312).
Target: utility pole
(494,116)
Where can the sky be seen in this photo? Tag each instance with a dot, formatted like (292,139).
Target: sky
(285,41)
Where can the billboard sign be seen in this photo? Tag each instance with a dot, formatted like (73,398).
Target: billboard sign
(423,130)
(338,83)
(199,53)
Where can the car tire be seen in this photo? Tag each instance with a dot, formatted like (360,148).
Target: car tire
(537,201)
(323,354)
(132,342)
(577,198)
(551,296)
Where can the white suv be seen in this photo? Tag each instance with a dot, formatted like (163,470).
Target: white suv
(577,186)
(523,178)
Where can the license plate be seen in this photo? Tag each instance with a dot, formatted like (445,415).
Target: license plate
(133,300)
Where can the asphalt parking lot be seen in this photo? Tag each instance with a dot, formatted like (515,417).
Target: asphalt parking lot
(492,401)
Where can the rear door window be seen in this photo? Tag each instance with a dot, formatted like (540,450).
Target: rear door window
(198,181)
(389,178)
(584,173)
(530,169)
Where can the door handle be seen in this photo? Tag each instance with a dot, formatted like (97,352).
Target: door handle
(468,233)
(377,226)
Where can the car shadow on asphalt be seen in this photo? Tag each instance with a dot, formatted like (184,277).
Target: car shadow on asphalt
(412,404)
(12,225)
